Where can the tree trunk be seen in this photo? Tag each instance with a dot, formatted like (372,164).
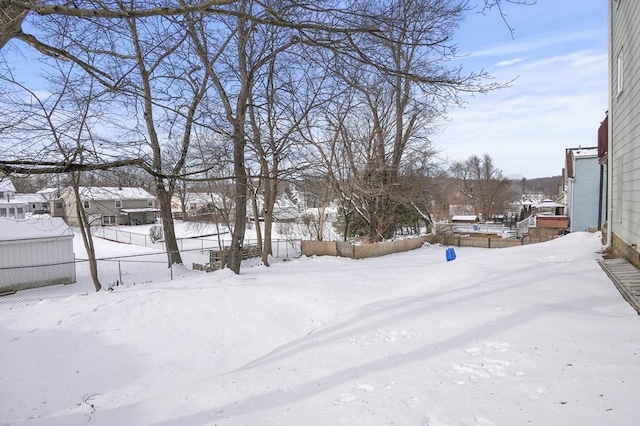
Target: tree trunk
(171,244)
(240,222)
(256,210)
(85,231)
(11,17)
(270,193)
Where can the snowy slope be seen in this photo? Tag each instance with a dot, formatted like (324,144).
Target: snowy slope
(531,335)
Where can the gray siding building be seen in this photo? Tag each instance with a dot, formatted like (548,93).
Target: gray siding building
(624,128)
(108,205)
(582,182)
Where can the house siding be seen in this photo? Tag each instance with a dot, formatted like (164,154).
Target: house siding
(36,263)
(585,194)
(624,118)
(35,253)
(104,207)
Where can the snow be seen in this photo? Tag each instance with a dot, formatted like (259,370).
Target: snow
(105,193)
(534,334)
(33,228)
(585,152)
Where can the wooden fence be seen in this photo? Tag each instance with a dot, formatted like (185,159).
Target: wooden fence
(359,251)
(493,241)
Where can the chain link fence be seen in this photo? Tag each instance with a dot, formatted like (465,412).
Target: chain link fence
(27,285)
(282,248)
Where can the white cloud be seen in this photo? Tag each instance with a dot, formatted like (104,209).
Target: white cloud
(509,62)
(555,103)
(535,43)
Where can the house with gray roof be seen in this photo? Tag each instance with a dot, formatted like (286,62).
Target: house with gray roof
(108,205)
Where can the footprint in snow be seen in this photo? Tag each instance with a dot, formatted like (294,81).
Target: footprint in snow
(481,421)
(346,397)
(366,388)
(485,368)
(349,396)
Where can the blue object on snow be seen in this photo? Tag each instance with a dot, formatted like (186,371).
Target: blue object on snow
(451,254)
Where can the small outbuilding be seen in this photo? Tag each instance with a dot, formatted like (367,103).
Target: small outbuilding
(35,252)
(465,218)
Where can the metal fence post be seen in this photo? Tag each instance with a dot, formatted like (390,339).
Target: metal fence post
(119,272)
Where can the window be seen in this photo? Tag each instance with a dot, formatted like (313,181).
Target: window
(620,73)
(3,212)
(86,204)
(59,204)
(149,203)
(118,204)
(109,220)
(12,212)
(20,211)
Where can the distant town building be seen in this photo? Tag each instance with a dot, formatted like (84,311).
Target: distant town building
(582,185)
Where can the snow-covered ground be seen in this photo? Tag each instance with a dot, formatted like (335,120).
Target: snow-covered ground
(530,335)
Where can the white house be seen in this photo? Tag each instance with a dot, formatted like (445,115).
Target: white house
(35,252)
(9,206)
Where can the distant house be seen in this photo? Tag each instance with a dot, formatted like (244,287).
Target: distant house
(9,206)
(582,186)
(623,156)
(35,203)
(195,203)
(108,205)
(35,252)
(7,190)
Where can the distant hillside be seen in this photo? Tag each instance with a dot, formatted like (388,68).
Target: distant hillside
(544,185)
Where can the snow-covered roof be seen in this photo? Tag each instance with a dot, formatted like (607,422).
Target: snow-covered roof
(547,204)
(6,185)
(140,210)
(98,193)
(49,193)
(585,152)
(464,217)
(316,211)
(33,228)
(30,198)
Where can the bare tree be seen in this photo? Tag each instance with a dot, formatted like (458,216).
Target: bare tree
(287,91)
(389,55)
(395,100)
(483,185)
(59,127)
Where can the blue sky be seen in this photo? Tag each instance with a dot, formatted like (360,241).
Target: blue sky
(558,56)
